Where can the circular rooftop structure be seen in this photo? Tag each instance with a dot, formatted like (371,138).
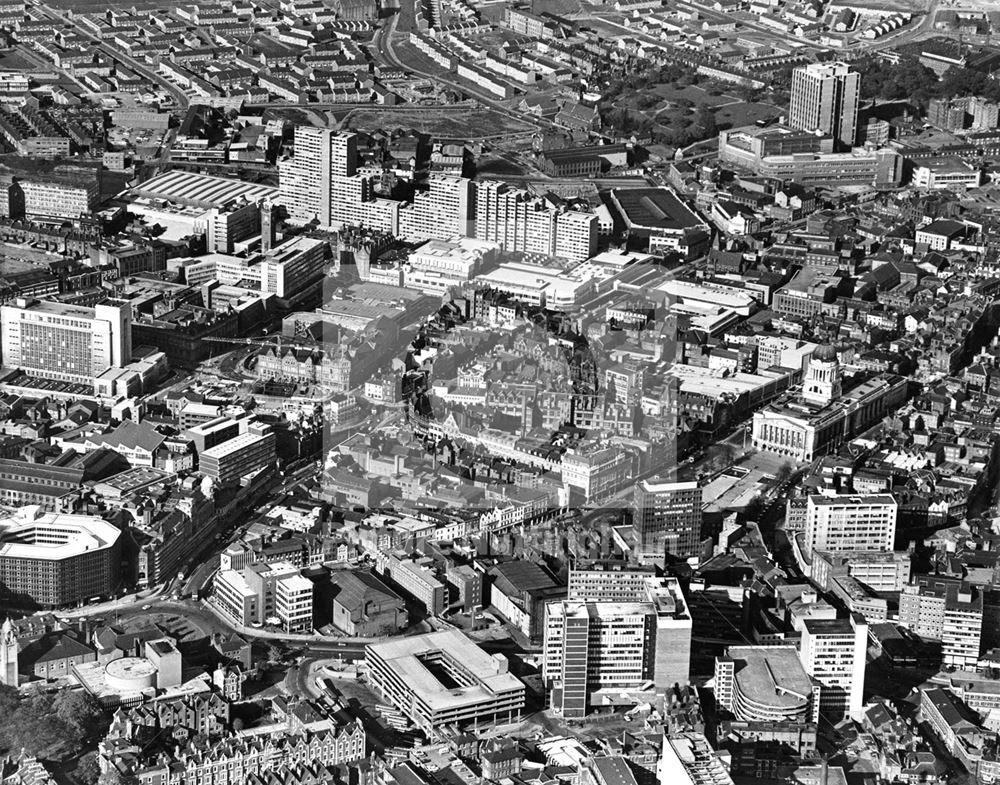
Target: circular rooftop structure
(130,674)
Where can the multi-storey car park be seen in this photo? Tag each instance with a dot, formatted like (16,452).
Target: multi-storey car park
(444,678)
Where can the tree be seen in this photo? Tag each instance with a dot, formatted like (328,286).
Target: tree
(88,771)
(705,120)
(273,653)
(784,472)
(81,711)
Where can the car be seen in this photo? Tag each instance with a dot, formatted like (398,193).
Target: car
(146,607)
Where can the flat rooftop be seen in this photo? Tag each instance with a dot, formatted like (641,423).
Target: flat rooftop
(771,675)
(404,657)
(655,208)
(32,534)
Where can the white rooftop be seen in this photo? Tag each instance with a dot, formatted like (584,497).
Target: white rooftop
(31,533)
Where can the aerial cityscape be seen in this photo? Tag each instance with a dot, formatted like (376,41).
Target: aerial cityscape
(500,392)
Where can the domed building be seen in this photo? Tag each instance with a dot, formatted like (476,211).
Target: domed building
(828,410)
(822,381)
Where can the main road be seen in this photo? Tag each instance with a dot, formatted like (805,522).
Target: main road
(382,42)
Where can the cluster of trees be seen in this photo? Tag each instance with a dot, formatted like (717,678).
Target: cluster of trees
(686,126)
(49,726)
(908,80)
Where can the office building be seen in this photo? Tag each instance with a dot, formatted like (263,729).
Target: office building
(833,652)
(849,523)
(667,519)
(244,453)
(49,560)
(417,577)
(754,148)
(825,99)
(596,652)
(765,684)
(293,268)
(947,610)
(608,581)
(67,193)
(274,594)
(443,678)
(71,343)
(293,603)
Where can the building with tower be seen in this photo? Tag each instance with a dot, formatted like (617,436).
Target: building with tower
(8,654)
(822,381)
(825,99)
(827,412)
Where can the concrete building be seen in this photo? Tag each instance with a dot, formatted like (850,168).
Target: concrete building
(443,210)
(321,182)
(518,221)
(266,593)
(72,343)
(50,560)
(765,684)
(805,159)
(594,652)
(688,759)
(608,581)
(251,448)
(666,517)
(833,652)
(825,99)
(850,523)
(443,678)
(62,194)
(947,610)
(437,265)
(417,577)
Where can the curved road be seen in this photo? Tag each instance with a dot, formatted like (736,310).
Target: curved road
(382,43)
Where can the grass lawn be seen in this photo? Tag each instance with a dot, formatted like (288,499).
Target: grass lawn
(557,7)
(694,93)
(465,125)
(739,114)
(14,60)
